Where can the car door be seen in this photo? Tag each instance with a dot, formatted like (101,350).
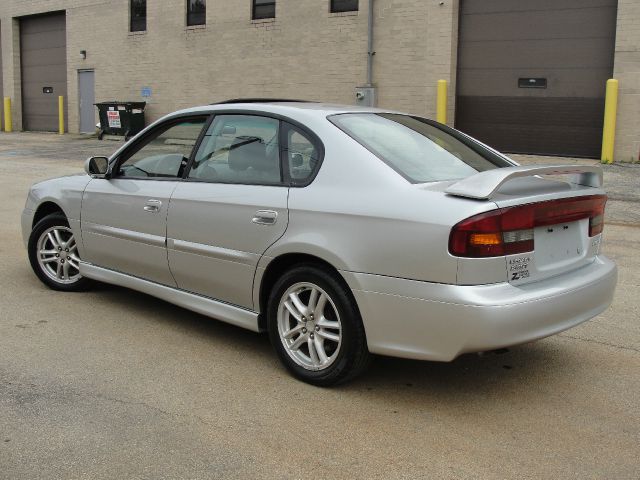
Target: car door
(230,209)
(123,218)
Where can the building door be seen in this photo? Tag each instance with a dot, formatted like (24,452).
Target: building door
(86,100)
(43,60)
(532,75)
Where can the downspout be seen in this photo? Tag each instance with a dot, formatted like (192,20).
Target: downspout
(370,52)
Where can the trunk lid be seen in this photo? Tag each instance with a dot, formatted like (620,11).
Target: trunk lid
(564,243)
(555,217)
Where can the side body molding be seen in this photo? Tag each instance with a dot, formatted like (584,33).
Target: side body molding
(197,303)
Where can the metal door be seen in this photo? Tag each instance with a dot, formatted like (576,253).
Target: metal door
(124,218)
(532,75)
(216,234)
(86,100)
(43,60)
(124,226)
(230,210)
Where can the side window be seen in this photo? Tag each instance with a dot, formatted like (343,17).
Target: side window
(302,155)
(165,153)
(196,12)
(239,149)
(344,6)
(138,15)
(263,9)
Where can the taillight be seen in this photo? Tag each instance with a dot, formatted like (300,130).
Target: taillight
(507,231)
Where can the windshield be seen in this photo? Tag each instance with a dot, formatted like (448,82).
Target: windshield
(416,148)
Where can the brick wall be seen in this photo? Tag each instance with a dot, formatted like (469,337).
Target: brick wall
(627,71)
(414,45)
(306,52)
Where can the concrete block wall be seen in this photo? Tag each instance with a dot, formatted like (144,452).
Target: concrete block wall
(627,71)
(414,41)
(11,67)
(306,52)
(232,56)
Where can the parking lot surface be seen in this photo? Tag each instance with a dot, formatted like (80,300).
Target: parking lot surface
(116,384)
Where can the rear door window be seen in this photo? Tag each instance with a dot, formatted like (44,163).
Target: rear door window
(241,149)
(302,155)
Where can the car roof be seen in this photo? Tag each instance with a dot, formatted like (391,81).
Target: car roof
(283,107)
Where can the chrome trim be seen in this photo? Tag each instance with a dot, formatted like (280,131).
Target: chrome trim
(153,206)
(265,217)
(206,306)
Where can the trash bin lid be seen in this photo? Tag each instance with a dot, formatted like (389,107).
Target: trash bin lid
(126,104)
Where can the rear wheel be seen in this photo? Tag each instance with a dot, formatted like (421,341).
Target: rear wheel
(315,327)
(53,253)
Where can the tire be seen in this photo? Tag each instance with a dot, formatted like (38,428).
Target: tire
(53,235)
(325,345)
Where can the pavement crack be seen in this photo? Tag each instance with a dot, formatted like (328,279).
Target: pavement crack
(131,403)
(608,344)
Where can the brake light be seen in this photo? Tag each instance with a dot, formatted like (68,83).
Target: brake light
(507,231)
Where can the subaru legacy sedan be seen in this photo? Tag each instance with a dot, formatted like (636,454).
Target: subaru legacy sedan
(341,231)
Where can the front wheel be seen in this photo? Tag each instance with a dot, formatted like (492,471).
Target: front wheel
(315,327)
(53,254)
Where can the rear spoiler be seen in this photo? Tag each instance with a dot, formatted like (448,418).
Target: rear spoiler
(483,185)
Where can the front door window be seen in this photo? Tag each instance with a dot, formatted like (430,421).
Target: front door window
(165,153)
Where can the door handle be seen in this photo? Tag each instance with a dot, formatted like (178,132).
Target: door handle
(265,217)
(153,206)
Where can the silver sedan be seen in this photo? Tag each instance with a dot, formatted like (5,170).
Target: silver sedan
(341,231)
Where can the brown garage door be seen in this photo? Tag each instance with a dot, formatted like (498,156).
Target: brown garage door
(532,75)
(43,59)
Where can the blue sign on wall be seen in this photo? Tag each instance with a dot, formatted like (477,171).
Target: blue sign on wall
(146,92)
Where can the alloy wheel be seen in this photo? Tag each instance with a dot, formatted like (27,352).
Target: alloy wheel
(309,326)
(57,254)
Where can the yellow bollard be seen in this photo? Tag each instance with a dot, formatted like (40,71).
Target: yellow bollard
(8,124)
(609,131)
(441,112)
(61,115)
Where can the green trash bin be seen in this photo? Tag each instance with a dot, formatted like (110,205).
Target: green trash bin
(121,118)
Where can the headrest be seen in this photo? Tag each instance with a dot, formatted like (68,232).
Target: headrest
(246,152)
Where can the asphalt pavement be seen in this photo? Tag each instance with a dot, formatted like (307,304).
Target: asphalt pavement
(116,384)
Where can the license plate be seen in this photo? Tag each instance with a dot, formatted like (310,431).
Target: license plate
(559,244)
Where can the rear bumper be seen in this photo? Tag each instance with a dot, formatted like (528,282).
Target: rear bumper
(420,320)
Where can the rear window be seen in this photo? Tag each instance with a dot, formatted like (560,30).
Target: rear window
(418,149)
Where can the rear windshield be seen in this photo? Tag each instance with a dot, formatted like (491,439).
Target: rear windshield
(419,149)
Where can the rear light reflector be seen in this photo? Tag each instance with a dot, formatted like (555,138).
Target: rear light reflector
(507,231)
(596,224)
(485,239)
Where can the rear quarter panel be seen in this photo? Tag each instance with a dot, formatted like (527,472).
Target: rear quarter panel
(361,216)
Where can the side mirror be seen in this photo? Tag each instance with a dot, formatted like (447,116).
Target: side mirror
(97,166)
(297,160)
